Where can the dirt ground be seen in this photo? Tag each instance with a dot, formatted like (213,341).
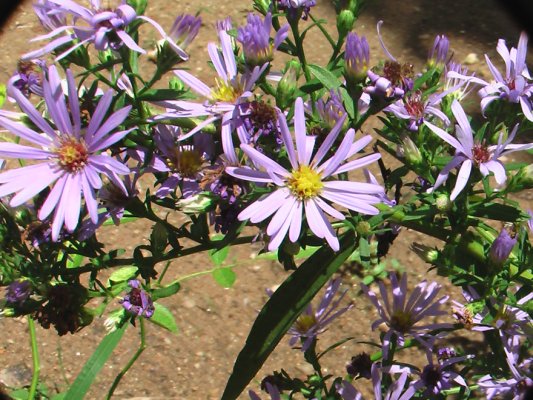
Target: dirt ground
(214,322)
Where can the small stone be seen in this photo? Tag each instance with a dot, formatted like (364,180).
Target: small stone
(470,59)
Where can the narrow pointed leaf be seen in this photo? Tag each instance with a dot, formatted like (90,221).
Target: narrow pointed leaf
(280,312)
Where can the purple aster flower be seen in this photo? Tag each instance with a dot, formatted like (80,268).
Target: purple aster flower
(396,78)
(503,245)
(415,109)
(469,153)
(515,86)
(356,57)
(18,292)
(295,8)
(461,86)
(223,101)
(105,28)
(184,162)
(255,39)
(312,323)
(436,377)
(70,158)
(518,387)
(28,78)
(394,392)
(330,110)
(404,315)
(438,54)
(137,301)
(303,189)
(184,29)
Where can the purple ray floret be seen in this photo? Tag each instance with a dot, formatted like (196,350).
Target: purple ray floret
(304,189)
(69,158)
(468,153)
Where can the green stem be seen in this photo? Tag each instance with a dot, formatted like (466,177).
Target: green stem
(35,357)
(311,358)
(130,363)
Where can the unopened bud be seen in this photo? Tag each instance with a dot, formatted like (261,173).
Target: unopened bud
(287,85)
(503,245)
(363,228)
(345,21)
(443,203)
(411,152)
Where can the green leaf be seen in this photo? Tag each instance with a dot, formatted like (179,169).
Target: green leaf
(364,252)
(123,275)
(218,255)
(164,318)
(327,78)
(348,103)
(225,277)
(160,94)
(500,212)
(282,309)
(85,378)
(2,94)
(166,291)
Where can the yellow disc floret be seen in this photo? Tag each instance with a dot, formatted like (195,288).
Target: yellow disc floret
(305,182)
(225,92)
(72,154)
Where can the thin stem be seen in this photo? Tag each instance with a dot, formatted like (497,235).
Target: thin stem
(130,363)
(35,357)
(162,274)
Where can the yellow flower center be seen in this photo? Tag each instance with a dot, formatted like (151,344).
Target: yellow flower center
(305,182)
(186,162)
(305,322)
(225,92)
(72,155)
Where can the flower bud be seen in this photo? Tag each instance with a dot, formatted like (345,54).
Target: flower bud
(363,228)
(439,52)
(443,203)
(345,21)
(524,176)
(288,84)
(411,152)
(503,245)
(356,58)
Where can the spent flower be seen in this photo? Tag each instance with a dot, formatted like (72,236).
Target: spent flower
(138,301)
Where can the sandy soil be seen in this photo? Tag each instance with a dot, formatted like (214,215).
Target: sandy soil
(214,322)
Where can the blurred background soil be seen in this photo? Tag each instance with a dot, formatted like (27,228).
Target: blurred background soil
(214,322)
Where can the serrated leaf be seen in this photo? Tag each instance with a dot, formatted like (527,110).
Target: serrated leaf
(282,309)
(94,364)
(326,77)
(164,318)
(225,277)
(122,275)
